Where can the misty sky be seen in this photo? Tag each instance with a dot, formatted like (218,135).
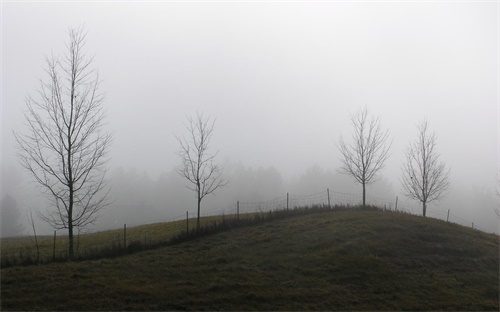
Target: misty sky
(281,78)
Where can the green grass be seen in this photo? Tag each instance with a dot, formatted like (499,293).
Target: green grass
(341,260)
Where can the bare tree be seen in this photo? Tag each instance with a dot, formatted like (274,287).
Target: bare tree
(198,166)
(424,177)
(368,151)
(65,147)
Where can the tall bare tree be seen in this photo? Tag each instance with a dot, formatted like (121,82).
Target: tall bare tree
(65,146)
(424,177)
(368,151)
(198,165)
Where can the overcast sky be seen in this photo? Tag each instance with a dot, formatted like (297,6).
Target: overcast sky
(281,78)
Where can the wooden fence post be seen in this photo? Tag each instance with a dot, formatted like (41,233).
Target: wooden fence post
(54,249)
(286,201)
(125,236)
(328,193)
(78,242)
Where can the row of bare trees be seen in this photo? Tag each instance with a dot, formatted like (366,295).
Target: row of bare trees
(424,177)
(66,147)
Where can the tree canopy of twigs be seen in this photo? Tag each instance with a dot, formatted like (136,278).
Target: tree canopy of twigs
(424,177)
(198,165)
(65,146)
(365,156)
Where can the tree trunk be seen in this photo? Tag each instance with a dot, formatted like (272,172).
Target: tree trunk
(70,237)
(198,220)
(70,219)
(364,194)
(424,206)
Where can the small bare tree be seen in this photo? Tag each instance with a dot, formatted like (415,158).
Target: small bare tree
(367,153)
(198,166)
(65,147)
(424,177)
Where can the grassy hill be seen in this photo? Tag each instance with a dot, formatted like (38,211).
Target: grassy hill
(341,260)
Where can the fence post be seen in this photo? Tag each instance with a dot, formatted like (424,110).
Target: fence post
(286,201)
(448,216)
(238,210)
(396,207)
(328,193)
(54,249)
(78,242)
(124,236)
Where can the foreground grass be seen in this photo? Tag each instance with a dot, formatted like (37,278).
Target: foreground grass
(346,260)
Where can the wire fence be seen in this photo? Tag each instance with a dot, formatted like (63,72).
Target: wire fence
(332,198)
(117,241)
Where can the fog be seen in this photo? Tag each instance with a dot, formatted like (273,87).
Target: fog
(281,79)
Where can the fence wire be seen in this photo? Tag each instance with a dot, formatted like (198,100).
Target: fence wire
(56,247)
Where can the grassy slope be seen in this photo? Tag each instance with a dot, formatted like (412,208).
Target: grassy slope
(351,260)
(15,248)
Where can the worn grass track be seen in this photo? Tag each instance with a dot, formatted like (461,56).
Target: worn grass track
(343,260)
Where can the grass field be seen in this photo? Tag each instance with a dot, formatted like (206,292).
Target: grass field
(341,260)
(18,250)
